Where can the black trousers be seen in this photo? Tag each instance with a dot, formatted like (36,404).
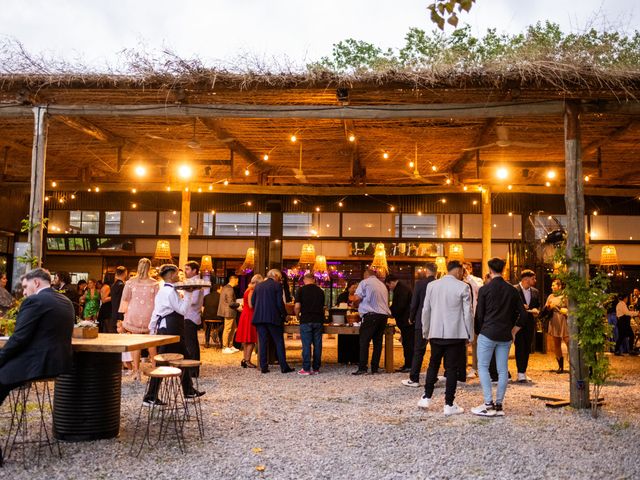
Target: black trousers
(419,351)
(624,332)
(408,334)
(371,328)
(523,346)
(191,344)
(276,333)
(455,359)
(174,326)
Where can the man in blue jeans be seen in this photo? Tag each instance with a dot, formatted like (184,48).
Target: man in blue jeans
(309,307)
(500,314)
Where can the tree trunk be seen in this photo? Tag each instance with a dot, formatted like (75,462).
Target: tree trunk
(574,201)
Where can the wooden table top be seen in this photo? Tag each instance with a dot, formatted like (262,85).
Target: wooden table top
(116,343)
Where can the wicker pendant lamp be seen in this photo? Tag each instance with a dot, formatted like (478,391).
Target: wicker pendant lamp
(206,264)
(249,261)
(609,256)
(307,254)
(456,252)
(163,250)
(320,265)
(441,265)
(379,263)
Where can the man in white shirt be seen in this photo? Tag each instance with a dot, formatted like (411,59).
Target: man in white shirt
(168,319)
(193,315)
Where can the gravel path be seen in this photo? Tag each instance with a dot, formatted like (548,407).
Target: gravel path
(334,425)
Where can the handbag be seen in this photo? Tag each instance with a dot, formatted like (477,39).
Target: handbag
(545,318)
(234,305)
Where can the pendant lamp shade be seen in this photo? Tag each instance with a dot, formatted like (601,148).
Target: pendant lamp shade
(379,263)
(320,265)
(249,261)
(609,256)
(163,250)
(441,265)
(456,252)
(206,264)
(307,254)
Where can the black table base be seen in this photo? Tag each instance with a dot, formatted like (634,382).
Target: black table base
(86,403)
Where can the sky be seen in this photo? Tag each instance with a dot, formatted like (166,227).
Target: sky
(273,32)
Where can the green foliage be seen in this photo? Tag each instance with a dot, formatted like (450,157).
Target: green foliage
(542,42)
(445,10)
(588,299)
(27,226)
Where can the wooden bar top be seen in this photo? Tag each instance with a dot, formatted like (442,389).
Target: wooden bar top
(116,343)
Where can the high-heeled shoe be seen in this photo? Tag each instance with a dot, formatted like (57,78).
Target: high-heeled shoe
(251,365)
(243,364)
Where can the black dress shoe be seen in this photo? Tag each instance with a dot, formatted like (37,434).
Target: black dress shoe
(194,394)
(287,370)
(264,370)
(359,372)
(374,372)
(403,370)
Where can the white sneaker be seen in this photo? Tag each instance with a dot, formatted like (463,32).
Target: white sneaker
(522,378)
(234,349)
(227,350)
(484,410)
(410,383)
(453,410)
(472,373)
(424,402)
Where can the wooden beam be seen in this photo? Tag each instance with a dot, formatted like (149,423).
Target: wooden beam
(574,203)
(91,129)
(36,199)
(362,112)
(5,162)
(610,137)
(358,171)
(234,145)
(486,229)
(531,164)
(479,139)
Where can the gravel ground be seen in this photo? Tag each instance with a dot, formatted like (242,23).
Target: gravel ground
(334,425)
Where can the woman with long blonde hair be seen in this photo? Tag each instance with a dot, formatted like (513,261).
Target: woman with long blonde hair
(137,304)
(246,333)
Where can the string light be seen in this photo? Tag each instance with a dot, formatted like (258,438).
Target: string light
(595,213)
(54,184)
(140,170)
(295,202)
(249,203)
(265,157)
(547,184)
(210,187)
(46,199)
(551,174)
(246,172)
(73,197)
(340,204)
(174,212)
(385,155)
(199,190)
(133,190)
(88,189)
(411,164)
(226,182)
(419,213)
(185,172)
(465,188)
(509,187)
(213,212)
(434,168)
(502,173)
(475,202)
(587,178)
(293,139)
(448,181)
(443,200)
(352,138)
(510,214)
(392,208)
(134,205)
(61,200)
(168,189)
(317,209)
(97,189)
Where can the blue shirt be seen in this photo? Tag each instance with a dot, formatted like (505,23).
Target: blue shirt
(374,295)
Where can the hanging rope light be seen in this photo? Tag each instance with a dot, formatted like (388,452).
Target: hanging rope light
(379,263)
(456,252)
(307,254)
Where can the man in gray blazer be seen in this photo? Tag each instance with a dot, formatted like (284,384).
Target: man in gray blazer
(447,322)
(228,298)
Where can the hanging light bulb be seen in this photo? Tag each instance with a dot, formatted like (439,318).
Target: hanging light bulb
(265,157)
(385,155)
(352,138)
(293,139)
(246,172)
(226,182)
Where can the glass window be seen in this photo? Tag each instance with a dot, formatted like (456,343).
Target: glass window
(264,224)
(236,224)
(169,223)
(506,226)
(84,221)
(311,224)
(419,226)
(368,225)
(138,223)
(79,243)
(56,243)
(207,224)
(112,223)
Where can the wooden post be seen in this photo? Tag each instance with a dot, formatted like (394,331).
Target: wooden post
(184,227)
(36,201)
(574,201)
(486,229)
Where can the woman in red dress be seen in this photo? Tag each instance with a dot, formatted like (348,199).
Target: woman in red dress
(246,333)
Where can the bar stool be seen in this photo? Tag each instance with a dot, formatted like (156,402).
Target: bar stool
(168,412)
(185,366)
(164,359)
(21,417)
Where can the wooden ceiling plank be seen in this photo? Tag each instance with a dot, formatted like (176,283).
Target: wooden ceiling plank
(479,139)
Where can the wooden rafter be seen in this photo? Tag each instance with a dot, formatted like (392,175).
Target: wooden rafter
(616,133)
(479,139)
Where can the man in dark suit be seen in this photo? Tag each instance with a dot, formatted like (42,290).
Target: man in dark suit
(269,314)
(116,296)
(531,300)
(415,318)
(210,306)
(62,284)
(400,309)
(40,347)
